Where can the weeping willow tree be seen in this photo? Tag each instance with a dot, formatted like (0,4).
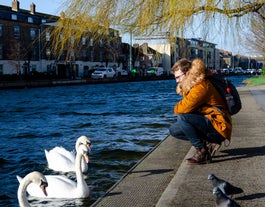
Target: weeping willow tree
(256,39)
(93,18)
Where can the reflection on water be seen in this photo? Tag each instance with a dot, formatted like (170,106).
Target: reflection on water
(123,121)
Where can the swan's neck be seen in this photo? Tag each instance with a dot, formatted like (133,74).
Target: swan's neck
(79,175)
(76,146)
(21,193)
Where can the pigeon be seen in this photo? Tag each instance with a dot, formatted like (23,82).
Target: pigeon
(222,200)
(226,187)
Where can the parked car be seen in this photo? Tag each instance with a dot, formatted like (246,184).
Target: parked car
(249,71)
(157,71)
(231,71)
(252,71)
(101,73)
(121,72)
(238,71)
(225,71)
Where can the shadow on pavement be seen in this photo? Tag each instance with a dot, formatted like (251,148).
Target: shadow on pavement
(251,196)
(153,172)
(240,153)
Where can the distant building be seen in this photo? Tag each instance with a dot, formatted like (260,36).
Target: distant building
(173,50)
(19,31)
(25,46)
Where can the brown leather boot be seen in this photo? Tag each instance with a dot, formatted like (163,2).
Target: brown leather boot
(201,156)
(213,148)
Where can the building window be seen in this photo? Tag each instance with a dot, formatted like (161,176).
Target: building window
(33,68)
(43,21)
(83,40)
(16,32)
(14,17)
(109,44)
(30,20)
(48,35)
(84,54)
(48,52)
(92,56)
(32,33)
(34,52)
(91,43)
(117,45)
(193,42)
(100,43)
(101,56)
(1,30)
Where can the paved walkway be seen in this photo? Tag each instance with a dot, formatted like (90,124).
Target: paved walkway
(163,179)
(241,163)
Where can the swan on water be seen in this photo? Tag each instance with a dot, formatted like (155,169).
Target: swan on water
(62,187)
(60,159)
(37,179)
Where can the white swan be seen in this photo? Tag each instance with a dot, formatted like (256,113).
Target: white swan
(34,177)
(59,159)
(62,187)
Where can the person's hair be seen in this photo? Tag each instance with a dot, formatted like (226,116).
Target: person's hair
(199,65)
(183,64)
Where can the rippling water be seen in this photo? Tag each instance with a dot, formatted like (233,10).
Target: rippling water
(123,121)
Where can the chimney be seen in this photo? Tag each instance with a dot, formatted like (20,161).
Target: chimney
(15,5)
(32,8)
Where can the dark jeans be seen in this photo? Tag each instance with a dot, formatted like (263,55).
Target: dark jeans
(196,128)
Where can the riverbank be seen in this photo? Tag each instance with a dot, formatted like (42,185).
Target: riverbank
(64,82)
(20,84)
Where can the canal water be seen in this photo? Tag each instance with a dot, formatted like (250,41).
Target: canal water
(123,121)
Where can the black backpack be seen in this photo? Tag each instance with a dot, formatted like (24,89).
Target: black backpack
(228,91)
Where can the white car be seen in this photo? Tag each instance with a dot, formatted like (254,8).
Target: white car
(101,73)
(121,72)
(157,71)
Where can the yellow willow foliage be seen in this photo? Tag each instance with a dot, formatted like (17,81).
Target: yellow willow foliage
(256,36)
(144,17)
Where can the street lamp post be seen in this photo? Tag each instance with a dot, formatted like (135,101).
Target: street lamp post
(130,51)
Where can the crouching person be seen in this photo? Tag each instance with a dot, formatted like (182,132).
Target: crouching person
(201,115)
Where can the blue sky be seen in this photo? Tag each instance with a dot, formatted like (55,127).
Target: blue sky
(55,7)
(43,6)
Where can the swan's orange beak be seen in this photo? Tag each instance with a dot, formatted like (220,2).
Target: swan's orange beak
(89,147)
(43,187)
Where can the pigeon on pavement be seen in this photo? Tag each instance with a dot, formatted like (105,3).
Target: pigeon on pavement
(226,187)
(222,200)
